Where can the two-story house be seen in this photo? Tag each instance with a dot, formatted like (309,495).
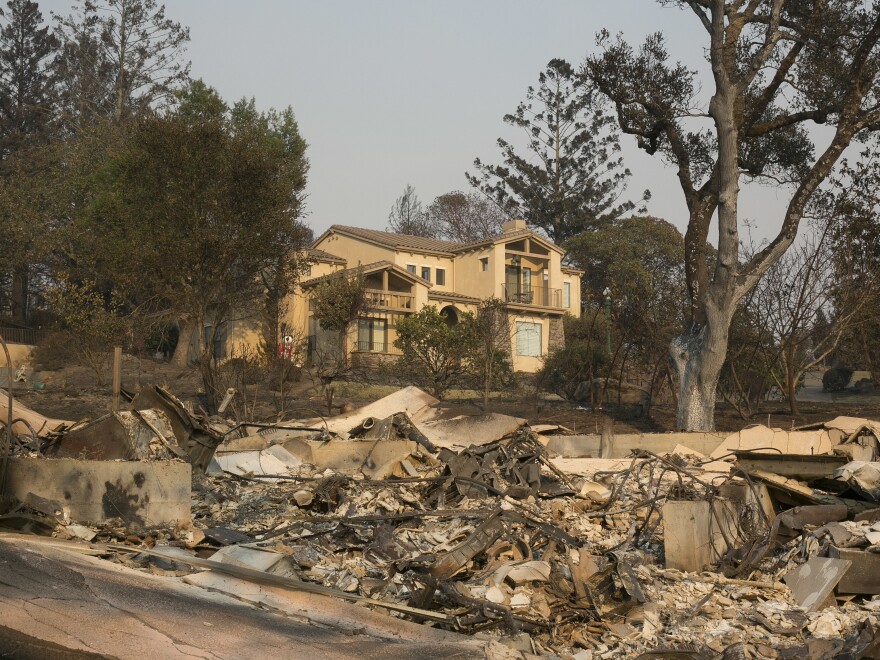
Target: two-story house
(406,273)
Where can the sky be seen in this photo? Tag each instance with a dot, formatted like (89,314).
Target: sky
(395,92)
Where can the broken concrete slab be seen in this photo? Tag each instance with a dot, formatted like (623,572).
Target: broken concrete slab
(813,582)
(796,466)
(697,533)
(863,477)
(863,576)
(141,493)
(90,597)
(763,438)
(467,430)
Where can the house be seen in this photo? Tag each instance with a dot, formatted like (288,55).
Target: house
(406,273)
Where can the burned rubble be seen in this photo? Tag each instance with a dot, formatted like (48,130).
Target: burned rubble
(768,546)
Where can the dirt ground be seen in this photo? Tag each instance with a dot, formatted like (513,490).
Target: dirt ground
(72,393)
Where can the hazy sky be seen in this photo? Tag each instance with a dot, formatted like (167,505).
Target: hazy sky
(391,92)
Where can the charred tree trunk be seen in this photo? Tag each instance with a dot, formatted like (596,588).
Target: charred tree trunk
(184,342)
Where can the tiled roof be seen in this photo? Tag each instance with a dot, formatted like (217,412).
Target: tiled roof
(448,295)
(321,255)
(421,244)
(368,268)
(400,241)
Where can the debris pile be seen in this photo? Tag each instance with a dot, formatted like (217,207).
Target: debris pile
(767,548)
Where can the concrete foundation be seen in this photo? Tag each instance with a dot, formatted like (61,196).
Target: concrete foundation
(582,446)
(140,493)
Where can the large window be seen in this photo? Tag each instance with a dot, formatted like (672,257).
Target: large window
(441,276)
(528,339)
(372,336)
(218,350)
(566,294)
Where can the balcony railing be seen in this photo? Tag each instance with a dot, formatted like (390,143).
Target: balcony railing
(389,300)
(538,296)
(377,347)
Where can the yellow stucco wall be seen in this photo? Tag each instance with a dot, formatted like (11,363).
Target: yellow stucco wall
(464,275)
(526,363)
(354,251)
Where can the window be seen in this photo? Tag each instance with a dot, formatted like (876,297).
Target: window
(426,273)
(411,268)
(484,264)
(528,339)
(218,350)
(441,276)
(566,294)
(371,335)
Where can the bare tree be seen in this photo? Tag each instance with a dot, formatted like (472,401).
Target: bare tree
(797,295)
(465,217)
(407,216)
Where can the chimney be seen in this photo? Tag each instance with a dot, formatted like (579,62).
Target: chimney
(516,224)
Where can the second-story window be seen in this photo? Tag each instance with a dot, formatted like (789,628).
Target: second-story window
(441,276)
(566,294)
(484,264)
(426,273)
(411,268)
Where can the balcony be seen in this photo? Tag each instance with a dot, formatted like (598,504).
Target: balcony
(377,299)
(377,347)
(538,297)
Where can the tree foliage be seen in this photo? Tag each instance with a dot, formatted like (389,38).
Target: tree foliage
(117,58)
(26,100)
(464,217)
(776,66)
(95,324)
(435,353)
(570,176)
(211,198)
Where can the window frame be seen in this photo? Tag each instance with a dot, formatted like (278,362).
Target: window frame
(428,269)
(440,276)
(524,341)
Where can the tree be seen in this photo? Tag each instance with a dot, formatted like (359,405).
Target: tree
(118,57)
(639,261)
(337,303)
(465,217)
(95,326)
(211,198)
(26,105)
(26,110)
(435,353)
(571,176)
(490,361)
(855,252)
(789,302)
(407,216)
(776,65)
